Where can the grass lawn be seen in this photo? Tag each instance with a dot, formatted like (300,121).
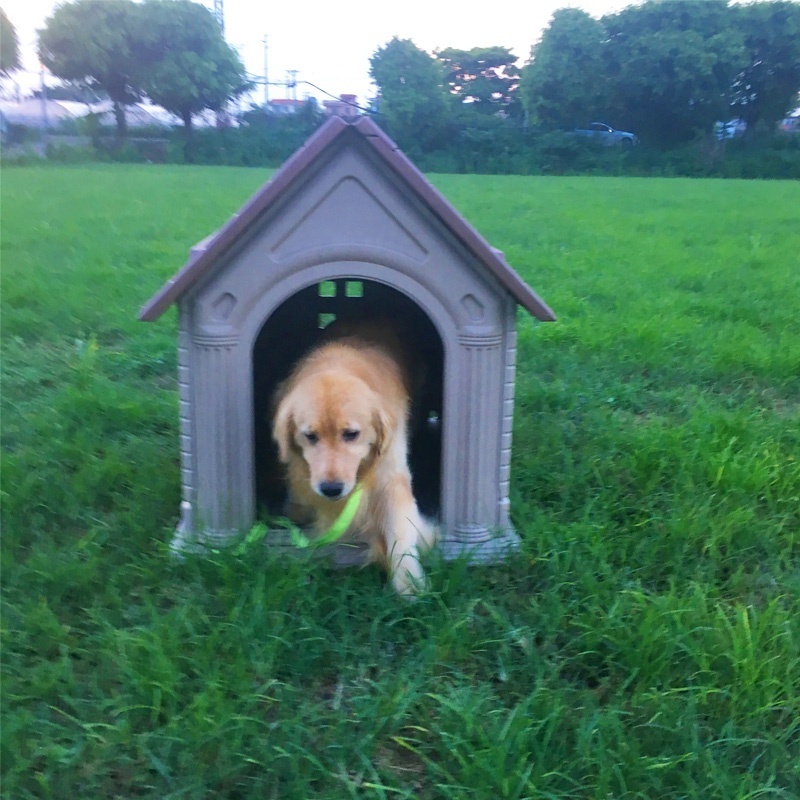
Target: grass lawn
(644,644)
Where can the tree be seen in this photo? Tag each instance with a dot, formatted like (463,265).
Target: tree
(9,45)
(670,67)
(562,86)
(766,89)
(663,69)
(412,103)
(90,41)
(187,66)
(485,77)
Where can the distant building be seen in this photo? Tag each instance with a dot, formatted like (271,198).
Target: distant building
(286,106)
(345,107)
(35,112)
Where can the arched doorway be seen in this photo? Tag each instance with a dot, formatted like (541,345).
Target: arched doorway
(296,325)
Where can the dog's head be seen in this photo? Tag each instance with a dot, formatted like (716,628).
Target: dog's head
(337,425)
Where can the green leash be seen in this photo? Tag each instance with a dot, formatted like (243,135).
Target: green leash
(340,524)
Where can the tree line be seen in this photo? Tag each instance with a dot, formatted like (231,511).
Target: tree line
(665,69)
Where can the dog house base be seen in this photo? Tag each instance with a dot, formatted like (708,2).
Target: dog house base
(481,546)
(478,545)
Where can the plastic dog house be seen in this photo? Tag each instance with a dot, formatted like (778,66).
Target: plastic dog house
(348,227)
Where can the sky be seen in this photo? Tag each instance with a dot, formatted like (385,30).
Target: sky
(330,43)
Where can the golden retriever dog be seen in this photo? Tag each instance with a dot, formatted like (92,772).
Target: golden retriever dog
(341,421)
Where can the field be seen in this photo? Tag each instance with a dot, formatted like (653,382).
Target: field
(644,644)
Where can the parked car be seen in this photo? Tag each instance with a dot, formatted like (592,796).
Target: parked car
(605,134)
(790,125)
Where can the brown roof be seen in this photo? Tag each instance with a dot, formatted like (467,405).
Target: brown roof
(201,263)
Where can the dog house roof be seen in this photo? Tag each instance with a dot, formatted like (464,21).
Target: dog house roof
(215,247)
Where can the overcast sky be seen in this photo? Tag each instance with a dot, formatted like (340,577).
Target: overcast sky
(330,43)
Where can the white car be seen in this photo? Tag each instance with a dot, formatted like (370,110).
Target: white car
(732,129)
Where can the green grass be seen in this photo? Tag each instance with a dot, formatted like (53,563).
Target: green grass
(644,644)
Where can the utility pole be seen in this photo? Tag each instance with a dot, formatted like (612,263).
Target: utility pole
(266,77)
(219,13)
(291,83)
(44,123)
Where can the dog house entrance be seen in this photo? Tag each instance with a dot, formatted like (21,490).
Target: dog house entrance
(296,325)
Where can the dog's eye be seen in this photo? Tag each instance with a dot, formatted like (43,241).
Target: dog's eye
(311,437)
(349,435)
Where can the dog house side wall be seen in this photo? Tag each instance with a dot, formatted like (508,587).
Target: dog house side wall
(185,408)
(506,435)
(507,427)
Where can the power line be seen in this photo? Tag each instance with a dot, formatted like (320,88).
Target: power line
(346,102)
(259,80)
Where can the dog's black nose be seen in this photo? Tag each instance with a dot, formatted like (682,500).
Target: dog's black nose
(331,489)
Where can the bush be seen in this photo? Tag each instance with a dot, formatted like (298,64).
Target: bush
(19,135)
(261,140)
(474,144)
(67,153)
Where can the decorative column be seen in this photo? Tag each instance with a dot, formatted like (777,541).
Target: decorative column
(478,527)
(223,484)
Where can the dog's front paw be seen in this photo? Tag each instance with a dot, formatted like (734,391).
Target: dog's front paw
(409,579)
(428,533)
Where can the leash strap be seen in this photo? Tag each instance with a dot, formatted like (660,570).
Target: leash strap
(340,524)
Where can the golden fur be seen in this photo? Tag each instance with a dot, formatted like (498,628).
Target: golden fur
(342,419)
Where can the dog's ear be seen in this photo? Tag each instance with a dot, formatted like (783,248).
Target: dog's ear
(384,425)
(284,428)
